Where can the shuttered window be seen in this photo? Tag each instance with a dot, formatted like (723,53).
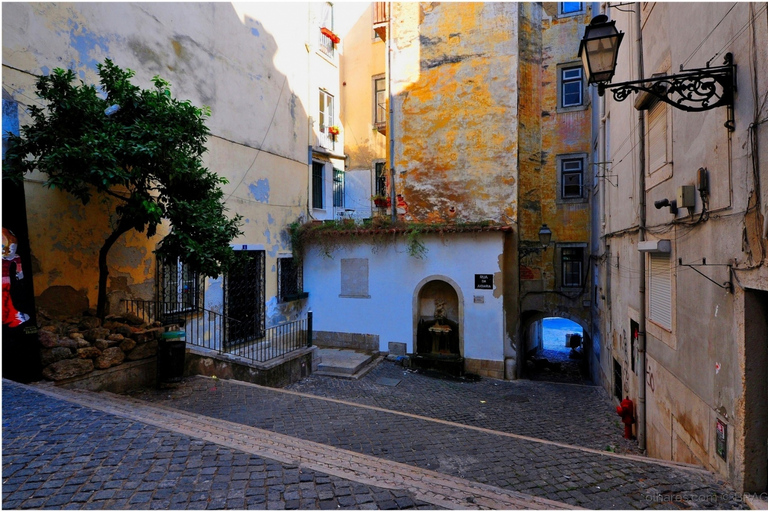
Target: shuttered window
(660,290)
(657,136)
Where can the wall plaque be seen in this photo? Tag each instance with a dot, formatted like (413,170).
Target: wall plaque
(483,281)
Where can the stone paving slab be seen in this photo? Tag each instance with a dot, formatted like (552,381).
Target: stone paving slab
(578,476)
(57,454)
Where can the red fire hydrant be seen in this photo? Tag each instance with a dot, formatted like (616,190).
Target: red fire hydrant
(627,412)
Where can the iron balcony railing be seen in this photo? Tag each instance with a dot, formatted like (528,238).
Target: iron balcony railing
(208,329)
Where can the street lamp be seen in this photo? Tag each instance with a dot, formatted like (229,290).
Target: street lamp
(599,48)
(545,235)
(694,90)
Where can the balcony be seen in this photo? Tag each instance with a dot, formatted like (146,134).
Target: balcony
(380,19)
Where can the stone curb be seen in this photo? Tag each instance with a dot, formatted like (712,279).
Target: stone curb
(429,486)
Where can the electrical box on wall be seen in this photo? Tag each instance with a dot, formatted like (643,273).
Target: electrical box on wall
(686,196)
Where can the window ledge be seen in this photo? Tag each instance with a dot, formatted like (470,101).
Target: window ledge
(354,296)
(575,108)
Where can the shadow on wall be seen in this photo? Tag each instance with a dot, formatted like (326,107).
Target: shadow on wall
(222,58)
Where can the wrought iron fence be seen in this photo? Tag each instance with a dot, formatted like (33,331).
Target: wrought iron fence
(208,329)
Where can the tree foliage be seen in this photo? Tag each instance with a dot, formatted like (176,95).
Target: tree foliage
(141,147)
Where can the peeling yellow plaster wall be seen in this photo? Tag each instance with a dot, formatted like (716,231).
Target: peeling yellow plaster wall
(255,81)
(455,68)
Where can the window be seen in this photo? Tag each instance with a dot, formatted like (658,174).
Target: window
(289,280)
(571,87)
(179,287)
(381,179)
(571,178)
(657,136)
(326,118)
(318,182)
(379,101)
(660,290)
(326,21)
(338,188)
(572,259)
(571,7)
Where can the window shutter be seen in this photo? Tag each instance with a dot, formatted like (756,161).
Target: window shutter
(660,288)
(657,136)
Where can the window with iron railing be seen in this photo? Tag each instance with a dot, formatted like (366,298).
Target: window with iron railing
(289,280)
(179,288)
(338,188)
(381,179)
(318,182)
(327,45)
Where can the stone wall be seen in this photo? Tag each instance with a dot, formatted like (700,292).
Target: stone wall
(76,346)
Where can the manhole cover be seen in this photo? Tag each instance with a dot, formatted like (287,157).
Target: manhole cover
(384,381)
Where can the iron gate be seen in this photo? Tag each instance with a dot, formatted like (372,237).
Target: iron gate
(244,298)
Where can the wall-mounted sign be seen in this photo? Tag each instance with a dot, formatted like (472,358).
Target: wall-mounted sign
(479,299)
(483,281)
(721,438)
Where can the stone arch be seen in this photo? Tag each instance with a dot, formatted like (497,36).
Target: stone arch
(419,307)
(528,318)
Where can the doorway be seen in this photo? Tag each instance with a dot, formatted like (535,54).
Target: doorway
(244,297)
(756,390)
(556,350)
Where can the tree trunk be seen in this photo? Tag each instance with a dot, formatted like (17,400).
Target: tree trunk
(101,304)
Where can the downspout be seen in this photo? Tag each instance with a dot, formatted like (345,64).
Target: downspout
(641,184)
(310,119)
(391,127)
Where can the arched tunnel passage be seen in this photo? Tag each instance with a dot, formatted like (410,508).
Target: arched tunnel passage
(556,349)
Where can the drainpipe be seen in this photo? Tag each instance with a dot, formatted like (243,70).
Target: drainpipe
(391,127)
(641,184)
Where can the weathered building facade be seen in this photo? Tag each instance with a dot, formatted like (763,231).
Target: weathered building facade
(271,95)
(683,293)
(478,135)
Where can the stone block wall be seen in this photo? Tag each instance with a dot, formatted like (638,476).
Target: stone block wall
(485,368)
(369,342)
(76,346)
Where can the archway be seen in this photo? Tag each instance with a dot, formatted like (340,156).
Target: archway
(438,334)
(556,348)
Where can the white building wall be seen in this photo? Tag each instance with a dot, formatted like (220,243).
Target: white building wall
(394,275)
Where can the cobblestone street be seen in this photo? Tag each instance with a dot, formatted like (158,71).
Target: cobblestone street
(326,443)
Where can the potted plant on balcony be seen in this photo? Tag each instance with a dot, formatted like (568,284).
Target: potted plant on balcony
(380,201)
(333,131)
(330,35)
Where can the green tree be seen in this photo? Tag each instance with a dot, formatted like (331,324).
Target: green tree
(143,148)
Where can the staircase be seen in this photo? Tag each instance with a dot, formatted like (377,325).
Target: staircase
(346,363)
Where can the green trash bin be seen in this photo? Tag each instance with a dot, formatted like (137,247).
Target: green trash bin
(171,352)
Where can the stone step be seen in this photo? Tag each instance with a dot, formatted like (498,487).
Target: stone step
(346,363)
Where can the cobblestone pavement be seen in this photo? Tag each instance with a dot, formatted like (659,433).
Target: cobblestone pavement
(571,414)
(60,455)
(466,430)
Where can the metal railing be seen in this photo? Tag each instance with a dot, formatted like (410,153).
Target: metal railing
(207,329)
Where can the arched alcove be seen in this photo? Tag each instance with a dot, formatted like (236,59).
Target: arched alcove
(438,318)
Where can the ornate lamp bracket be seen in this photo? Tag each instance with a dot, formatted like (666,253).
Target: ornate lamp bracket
(696,90)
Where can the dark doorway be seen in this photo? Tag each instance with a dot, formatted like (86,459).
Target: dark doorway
(756,390)
(244,297)
(617,376)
